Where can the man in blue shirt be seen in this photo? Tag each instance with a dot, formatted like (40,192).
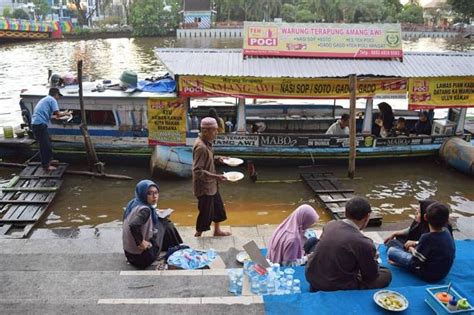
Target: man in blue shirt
(46,108)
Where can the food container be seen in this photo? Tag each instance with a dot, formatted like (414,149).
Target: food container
(8,132)
(440,308)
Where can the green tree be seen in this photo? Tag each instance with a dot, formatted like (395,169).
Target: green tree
(304,16)
(411,13)
(288,12)
(153,18)
(464,8)
(7,12)
(41,7)
(20,14)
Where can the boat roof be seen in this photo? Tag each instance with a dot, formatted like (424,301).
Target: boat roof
(231,62)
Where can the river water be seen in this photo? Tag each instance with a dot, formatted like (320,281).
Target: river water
(392,187)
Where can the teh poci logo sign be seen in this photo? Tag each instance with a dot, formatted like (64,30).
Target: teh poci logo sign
(263,36)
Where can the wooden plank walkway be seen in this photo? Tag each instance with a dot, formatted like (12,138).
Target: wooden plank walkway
(329,190)
(26,198)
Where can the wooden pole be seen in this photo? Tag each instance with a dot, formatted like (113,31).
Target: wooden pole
(352,125)
(92,158)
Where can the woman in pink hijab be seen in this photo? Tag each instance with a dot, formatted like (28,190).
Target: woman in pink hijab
(286,245)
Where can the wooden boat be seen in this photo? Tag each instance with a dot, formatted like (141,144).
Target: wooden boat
(125,125)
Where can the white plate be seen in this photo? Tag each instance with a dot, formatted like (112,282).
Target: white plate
(233,161)
(242,256)
(66,117)
(380,295)
(233,176)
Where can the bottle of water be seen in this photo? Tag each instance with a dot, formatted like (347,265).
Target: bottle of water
(211,254)
(232,282)
(239,287)
(296,290)
(271,287)
(255,285)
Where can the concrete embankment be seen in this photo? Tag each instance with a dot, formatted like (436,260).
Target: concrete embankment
(84,271)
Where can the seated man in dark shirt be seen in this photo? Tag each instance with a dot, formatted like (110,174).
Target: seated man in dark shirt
(432,256)
(400,129)
(345,259)
(423,126)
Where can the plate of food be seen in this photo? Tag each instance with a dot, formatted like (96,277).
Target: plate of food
(233,161)
(242,256)
(233,176)
(391,300)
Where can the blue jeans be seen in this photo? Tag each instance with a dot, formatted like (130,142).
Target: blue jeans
(46,150)
(396,253)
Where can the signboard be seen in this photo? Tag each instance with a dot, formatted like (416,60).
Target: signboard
(402,141)
(202,86)
(166,121)
(323,40)
(238,140)
(445,92)
(307,141)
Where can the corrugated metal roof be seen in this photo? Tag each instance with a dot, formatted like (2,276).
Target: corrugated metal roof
(230,62)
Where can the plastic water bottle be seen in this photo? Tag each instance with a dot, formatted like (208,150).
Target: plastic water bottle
(271,287)
(255,285)
(195,123)
(239,287)
(276,268)
(296,290)
(232,282)
(263,287)
(289,271)
(211,254)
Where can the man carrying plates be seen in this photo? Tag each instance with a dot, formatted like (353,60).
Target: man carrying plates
(205,181)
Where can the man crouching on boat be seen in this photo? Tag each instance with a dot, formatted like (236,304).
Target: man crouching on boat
(46,108)
(205,181)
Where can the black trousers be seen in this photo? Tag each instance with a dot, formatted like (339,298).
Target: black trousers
(46,150)
(146,258)
(211,209)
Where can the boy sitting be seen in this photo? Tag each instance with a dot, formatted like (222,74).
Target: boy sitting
(432,256)
(400,129)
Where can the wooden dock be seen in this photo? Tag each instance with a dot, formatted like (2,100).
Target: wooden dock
(331,193)
(25,199)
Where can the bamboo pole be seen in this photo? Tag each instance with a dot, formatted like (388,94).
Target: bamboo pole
(94,163)
(352,125)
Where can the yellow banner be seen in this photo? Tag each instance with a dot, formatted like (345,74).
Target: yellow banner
(166,121)
(323,40)
(201,86)
(440,92)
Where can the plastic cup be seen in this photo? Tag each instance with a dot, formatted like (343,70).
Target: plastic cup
(296,290)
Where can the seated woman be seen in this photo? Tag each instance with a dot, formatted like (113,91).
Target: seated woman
(423,126)
(286,244)
(144,234)
(418,227)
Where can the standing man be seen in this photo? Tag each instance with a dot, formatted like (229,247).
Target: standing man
(46,108)
(345,259)
(205,186)
(340,127)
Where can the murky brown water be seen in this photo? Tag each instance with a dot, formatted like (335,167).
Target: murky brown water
(392,187)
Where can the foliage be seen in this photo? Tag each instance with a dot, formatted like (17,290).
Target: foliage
(20,14)
(152,17)
(304,16)
(464,8)
(41,7)
(7,12)
(288,12)
(309,10)
(411,13)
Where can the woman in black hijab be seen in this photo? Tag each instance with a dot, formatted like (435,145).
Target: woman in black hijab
(387,115)
(418,227)
(423,126)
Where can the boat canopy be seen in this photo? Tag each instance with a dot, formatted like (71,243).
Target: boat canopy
(231,63)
